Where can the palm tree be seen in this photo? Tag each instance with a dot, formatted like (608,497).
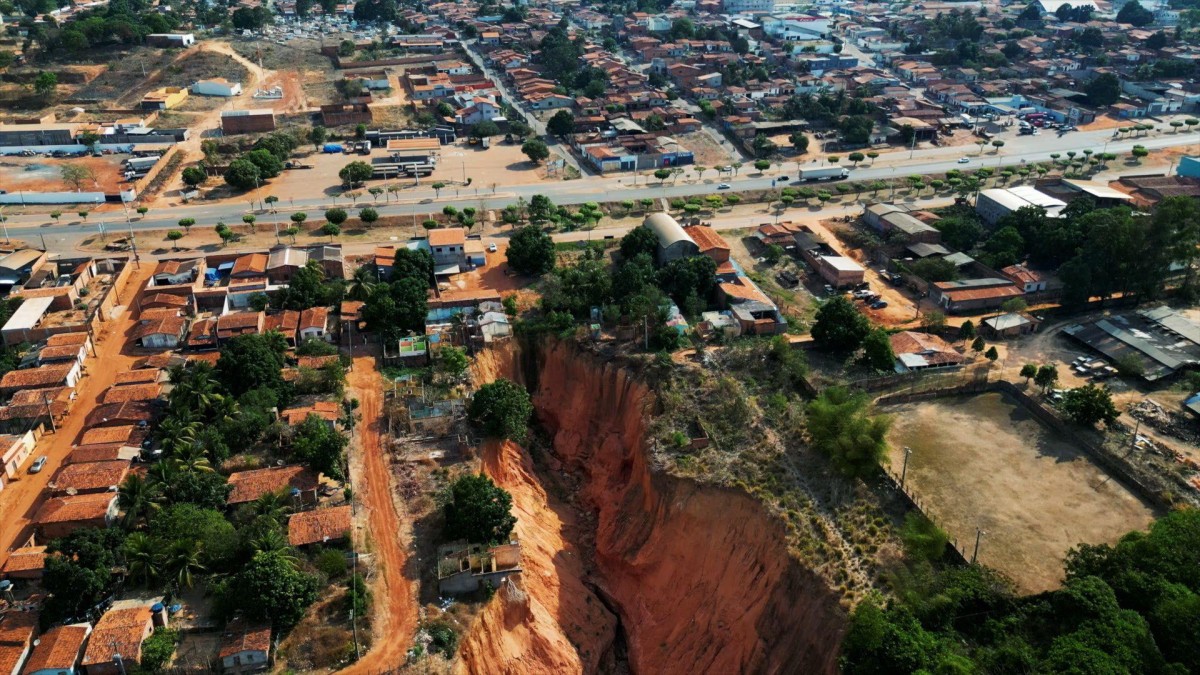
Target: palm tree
(183,562)
(269,541)
(274,505)
(161,473)
(224,409)
(197,388)
(138,498)
(192,459)
(176,434)
(141,553)
(363,283)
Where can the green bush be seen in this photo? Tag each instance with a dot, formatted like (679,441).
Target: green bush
(922,539)
(331,563)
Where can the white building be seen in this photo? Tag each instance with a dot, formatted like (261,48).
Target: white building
(748,6)
(994,204)
(796,26)
(217,87)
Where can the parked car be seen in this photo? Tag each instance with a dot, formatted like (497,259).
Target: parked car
(828,289)
(964,160)
(723,186)
(38,464)
(879,304)
(492,247)
(783,178)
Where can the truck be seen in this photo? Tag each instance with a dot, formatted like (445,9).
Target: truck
(333,148)
(828,173)
(141,163)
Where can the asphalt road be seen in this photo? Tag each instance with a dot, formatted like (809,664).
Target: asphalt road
(1018,150)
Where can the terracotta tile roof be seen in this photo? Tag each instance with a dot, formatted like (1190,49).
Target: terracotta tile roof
(32,412)
(171,325)
(58,649)
(241,636)
(315,362)
(164,300)
(32,378)
(744,292)
(934,349)
(238,323)
(91,476)
(326,410)
(982,293)
(311,527)
(173,267)
(106,435)
(118,631)
(448,236)
(129,412)
(203,333)
(141,376)
(74,508)
(155,313)
(10,657)
(156,361)
(132,392)
(210,358)
(63,339)
(40,396)
(1021,274)
(250,485)
(706,238)
(251,264)
(59,353)
(351,309)
(17,628)
(314,317)
(99,452)
(27,559)
(285,322)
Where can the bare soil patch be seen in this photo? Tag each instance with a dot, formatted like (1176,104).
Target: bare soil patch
(984,462)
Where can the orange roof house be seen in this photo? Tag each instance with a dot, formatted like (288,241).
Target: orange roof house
(711,244)
(119,631)
(250,485)
(90,477)
(319,526)
(25,563)
(59,649)
(326,410)
(245,646)
(60,516)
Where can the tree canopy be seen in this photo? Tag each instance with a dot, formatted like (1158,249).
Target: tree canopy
(530,251)
(839,325)
(501,409)
(478,511)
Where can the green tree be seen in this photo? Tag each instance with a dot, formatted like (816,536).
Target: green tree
(966,331)
(478,511)
(877,351)
(840,427)
(978,345)
(1090,404)
(638,240)
(355,173)
(839,326)
(174,236)
(45,84)
(252,362)
(535,149)
(320,447)
(1104,89)
(1046,376)
(243,174)
(501,409)
(317,136)
(1134,14)
(76,175)
(991,354)
(561,123)
(270,588)
(1029,371)
(530,251)
(452,361)
(194,175)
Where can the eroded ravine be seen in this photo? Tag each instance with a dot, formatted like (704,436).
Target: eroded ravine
(698,578)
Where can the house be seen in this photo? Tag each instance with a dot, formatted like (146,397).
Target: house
(18,266)
(162,333)
(176,272)
(972,294)
(218,86)
(1029,280)
(314,323)
(465,568)
(298,481)
(329,411)
(284,262)
(448,246)
(995,203)
(171,39)
(247,121)
(119,435)
(249,266)
(283,322)
(16,640)
(709,242)
(137,413)
(164,98)
(163,301)
(245,647)
(337,114)
(331,259)
(58,650)
(232,325)
(750,307)
(778,234)
(119,631)
(132,392)
(319,526)
(60,516)
(89,477)
(25,563)
(673,241)
(839,271)
(66,374)
(1008,325)
(24,324)
(16,449)
(62,354)
(922,351)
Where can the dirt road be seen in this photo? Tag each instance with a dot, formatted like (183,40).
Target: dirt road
(395,601)
(21,498)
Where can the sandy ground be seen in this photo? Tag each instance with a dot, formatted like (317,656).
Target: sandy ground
(706,152)
(984,462)
(44,174)
(395,601)
(21,498)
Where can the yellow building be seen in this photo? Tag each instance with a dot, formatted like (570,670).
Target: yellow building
(164,98)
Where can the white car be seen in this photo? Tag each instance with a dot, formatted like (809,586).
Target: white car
(37,464)
(964,160)
(492,247)
(723,186)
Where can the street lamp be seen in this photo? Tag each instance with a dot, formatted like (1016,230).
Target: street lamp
(904,469)
(978,535)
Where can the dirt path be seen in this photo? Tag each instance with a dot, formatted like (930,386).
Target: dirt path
(21,498)
(395,602)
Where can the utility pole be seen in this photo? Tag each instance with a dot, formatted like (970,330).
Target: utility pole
(50,414)
(904,469)
(978,535)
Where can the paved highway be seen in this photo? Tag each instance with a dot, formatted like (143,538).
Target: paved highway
(419,202)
